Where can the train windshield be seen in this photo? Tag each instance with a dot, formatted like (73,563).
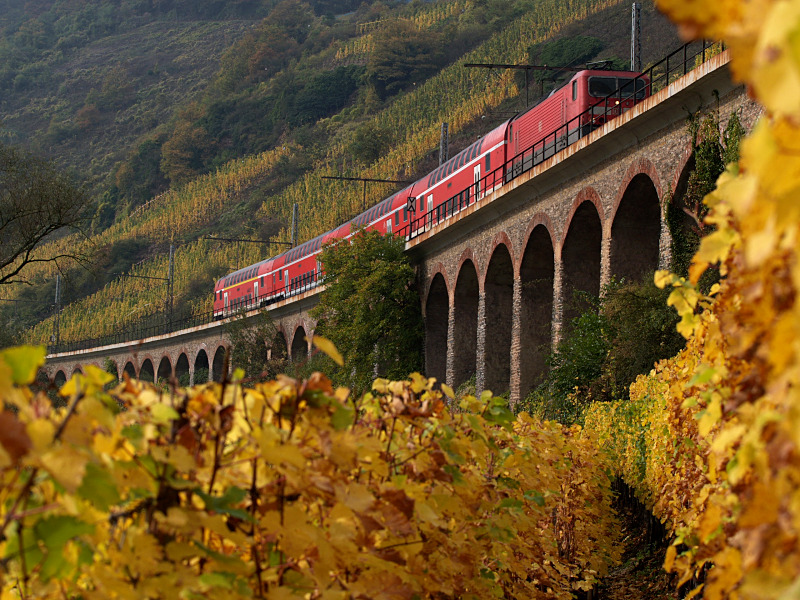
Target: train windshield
(600,87)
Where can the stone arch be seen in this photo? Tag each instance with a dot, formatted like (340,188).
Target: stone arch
(537,272)
(465,333)
(437,314)
(130,370)
(201,367)
(279,350)
(146,372)
(636,230)
(640,166)
(59,379)
(164,372)
(77,369)
(468,255)
(182,370)
(218,366)
(498,286)
(580,260)
(299,344)
(42,381)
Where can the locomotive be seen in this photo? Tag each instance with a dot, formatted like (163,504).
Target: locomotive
(584,103)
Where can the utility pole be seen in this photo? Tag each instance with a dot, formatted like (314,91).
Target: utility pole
(170,286)
(56,333)
(444,144)
(295,219)
(636,37)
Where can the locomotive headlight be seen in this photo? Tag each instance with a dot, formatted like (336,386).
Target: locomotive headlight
(617,102)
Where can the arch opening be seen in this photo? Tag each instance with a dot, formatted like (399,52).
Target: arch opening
(146,372)
(499,289)
(182,370)
(130,370)
(164,370)
(299,345)
(218,366)
(536,276)
(278,349)
(201,372)
(636,231)
(465,334)
(437,313)
(59,379)
(580,258)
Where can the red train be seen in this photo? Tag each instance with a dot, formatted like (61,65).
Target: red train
(583,104)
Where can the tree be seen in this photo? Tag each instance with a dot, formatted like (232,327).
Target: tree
(370,308)
(249,339)
(403,55)
(36,201)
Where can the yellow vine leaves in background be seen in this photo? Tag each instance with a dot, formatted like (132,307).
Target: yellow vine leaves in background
(711,438)
(291,489)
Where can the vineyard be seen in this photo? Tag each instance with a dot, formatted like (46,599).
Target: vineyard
(412,123)
(291,489)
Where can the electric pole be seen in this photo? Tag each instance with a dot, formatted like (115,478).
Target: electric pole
(636,37)
(56,333)
(444,145)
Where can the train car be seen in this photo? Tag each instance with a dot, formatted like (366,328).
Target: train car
(581,105)
(572,111)
(460,181)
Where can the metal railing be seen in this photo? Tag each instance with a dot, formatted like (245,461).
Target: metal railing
(660,75)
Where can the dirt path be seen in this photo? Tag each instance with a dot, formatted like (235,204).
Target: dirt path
(640,576)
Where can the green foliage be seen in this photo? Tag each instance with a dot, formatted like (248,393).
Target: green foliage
(369,142)
(249,338)
(324,95)
(403,56)
(712,150)
(370,308)
(617,338)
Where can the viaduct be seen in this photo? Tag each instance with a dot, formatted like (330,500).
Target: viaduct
(496,279)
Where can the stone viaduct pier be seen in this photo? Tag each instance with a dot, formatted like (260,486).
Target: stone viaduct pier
(497,278)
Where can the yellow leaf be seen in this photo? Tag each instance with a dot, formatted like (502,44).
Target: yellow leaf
(326,346)
(24,362)
(663,278)
(66,465)
(448,391)
(41,433)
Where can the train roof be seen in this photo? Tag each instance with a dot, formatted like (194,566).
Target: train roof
(379,209)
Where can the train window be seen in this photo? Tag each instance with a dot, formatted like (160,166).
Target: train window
(627,84)
(280,276)
(397,218)
(575,90)
(599,87)
(488,163)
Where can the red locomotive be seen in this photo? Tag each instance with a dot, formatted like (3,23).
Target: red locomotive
(584,103)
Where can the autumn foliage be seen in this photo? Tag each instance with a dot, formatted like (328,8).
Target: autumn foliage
(290,489)
(711,439)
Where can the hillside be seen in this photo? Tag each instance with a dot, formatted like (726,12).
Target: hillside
(289,127)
